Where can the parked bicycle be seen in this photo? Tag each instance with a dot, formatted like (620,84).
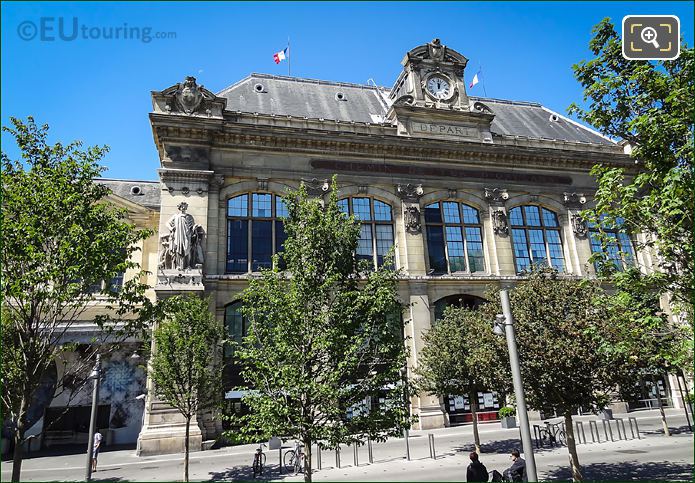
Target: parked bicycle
(294,459)
(553,434)
(259,460)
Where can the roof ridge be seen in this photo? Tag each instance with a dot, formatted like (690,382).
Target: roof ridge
(507,101)
(304,80)
(127,180)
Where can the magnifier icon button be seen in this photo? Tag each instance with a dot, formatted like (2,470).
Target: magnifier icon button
(649,35)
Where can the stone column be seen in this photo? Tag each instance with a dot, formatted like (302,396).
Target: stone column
(413,260)
(499,233)
(164,427)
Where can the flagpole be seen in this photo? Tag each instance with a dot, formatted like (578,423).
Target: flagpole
(289,57)
(482,79)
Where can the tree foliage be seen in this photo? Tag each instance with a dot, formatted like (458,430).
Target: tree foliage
(462,356)
(325,336)
(650,106)
(60,239)
(185,365)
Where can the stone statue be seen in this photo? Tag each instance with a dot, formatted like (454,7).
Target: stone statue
(182,247)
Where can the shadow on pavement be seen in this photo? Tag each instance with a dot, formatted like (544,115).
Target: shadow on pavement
(627,471)
(503,446)
(244,473)
(678,430)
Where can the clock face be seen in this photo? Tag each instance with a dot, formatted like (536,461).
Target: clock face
(439,87)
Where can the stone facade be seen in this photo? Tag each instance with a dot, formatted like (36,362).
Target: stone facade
(422,142)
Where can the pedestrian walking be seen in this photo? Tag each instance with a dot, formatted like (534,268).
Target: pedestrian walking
(95,451)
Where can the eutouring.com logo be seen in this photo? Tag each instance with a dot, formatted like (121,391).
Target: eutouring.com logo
(70,29)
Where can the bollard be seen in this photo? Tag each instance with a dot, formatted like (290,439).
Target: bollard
(433,454)
(318,456)
(355,456)
(337,457)
(592,426)
(580,426)
(407,444)
(636,427)
(371,452)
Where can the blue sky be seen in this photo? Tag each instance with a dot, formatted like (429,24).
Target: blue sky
(98,91)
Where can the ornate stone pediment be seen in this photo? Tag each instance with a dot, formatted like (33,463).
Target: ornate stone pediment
(437,52)
(188,98)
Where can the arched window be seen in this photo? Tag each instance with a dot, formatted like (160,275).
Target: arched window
(255,231)
(536,238)
(454,238)
(462,300)
(618,247)
(376,232)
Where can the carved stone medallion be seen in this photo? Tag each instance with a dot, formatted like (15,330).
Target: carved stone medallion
(579,226)
(499,222)
(188,95)
(412,220)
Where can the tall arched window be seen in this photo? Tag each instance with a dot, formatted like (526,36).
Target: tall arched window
(536,238)
(234,324)
(376,232)
(618,247)
(454,238)
(255,231)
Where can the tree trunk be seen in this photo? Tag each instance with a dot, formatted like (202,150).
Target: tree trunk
(572,448)
(473,398)
(664,423)
(185,449)
(307,459)
(19,440)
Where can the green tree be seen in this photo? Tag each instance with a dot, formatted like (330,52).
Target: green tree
(60,239)
(461,355)
(325,336)
(650,105)
(562,364)
(186,359)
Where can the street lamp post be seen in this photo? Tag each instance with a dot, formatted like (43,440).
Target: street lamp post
(505,324)
(96,372)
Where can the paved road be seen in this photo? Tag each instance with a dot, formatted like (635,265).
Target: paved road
(653,457)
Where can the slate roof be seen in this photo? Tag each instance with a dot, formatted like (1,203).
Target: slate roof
(144,193)
(318,99)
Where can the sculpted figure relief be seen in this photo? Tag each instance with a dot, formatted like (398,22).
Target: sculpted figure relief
(182,248)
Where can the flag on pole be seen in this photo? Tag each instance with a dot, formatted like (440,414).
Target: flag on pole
(475,80)
(280,56)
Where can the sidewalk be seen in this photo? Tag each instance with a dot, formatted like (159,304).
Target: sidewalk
(654,457)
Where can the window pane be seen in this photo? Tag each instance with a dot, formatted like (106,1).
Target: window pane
(537,244)
(261,205)
(533,217)
(613,251)
(470,214)
(384,242)
(364,245)
(382,211)
(360,208)
(474,246)
(454,245)
(549,218)
(626,248)
(520,250)
(432,214)
(557,259)
(280,237)
(435,246)
(238,206)
(515,218)
(451,212)
(343,206)
(280,208)
(237,246)
(116,282)
(234,324)
(261,245)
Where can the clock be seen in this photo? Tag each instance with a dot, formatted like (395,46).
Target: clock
(439,87)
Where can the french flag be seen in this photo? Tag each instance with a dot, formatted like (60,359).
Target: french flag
(280,56)
(475,80)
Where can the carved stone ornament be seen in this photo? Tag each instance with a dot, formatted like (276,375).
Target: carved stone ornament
(262,184)
(316,187)
(573,200)
(499,222)
(188,95)
(182,248)
(362,189)
(496,195)
(579,226)
(480,107)
(412,220)
(435,49)
(410,192)
(452,193)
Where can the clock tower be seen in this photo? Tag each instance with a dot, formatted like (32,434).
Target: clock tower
(429,97)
